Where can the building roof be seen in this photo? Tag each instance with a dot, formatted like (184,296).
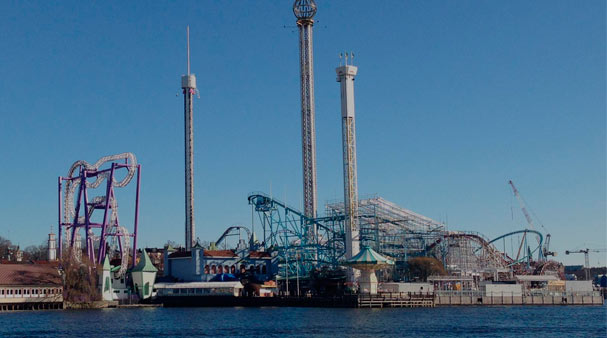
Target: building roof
(220,253)
(145,264)
(106,264)
(368,258)
(206,253)
(180,254)
(198,285)
(259,254)
(29,274)
(535,278)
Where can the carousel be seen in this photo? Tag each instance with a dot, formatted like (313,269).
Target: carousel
(367,261)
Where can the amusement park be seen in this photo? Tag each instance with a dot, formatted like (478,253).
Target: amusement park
(354,252)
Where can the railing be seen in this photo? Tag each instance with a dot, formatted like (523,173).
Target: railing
(526,293)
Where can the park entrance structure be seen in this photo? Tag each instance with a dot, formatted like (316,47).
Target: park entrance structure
(98,215)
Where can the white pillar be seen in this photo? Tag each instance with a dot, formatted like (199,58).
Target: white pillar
(368,282)
(345,75)
(52,247)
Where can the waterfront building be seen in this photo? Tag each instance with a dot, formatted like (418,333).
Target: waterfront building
(144,275)
(231,289)
(30,286)
(105,281)
(117,286)
(204,265)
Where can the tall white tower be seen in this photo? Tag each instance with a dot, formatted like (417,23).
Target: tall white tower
(345,76)
(304,11)
(78,245)
(188,84)
(52,247)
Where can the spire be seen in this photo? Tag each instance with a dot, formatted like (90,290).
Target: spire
(145,264)
(106,264)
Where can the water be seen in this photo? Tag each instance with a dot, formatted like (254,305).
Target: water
(527,321)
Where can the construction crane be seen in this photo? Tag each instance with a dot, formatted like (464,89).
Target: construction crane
(545,252)
(586,258)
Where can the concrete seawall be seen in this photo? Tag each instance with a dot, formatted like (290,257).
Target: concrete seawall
(479,299)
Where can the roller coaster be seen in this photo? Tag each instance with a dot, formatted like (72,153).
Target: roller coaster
(394,232)
(104,234)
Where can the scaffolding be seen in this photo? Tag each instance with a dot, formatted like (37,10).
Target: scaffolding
(392,230)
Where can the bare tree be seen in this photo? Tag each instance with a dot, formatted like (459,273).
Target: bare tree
(79,279)
(5,246)
(36,252)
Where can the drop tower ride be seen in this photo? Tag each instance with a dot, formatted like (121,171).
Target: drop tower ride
(188,84)
(304,11)
(345,76)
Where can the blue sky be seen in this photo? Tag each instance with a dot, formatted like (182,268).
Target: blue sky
(453,99)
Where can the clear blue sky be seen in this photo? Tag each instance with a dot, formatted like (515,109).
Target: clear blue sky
(453,98)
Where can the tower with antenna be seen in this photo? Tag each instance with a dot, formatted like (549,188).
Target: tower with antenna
(345,76)
(304,11)
(188,84)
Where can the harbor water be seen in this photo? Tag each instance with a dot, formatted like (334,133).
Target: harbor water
(513,321)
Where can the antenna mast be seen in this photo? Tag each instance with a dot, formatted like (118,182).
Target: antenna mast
(188,37)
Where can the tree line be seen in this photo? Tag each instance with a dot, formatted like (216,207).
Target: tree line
(8,251)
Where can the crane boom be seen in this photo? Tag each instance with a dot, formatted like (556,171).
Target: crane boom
(522,204)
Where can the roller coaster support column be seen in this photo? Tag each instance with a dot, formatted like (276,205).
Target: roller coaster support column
(136,214)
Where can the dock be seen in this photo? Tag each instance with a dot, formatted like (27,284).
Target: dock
(395,300)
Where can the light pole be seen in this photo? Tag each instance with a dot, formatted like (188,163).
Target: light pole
(297,269)
(287,270)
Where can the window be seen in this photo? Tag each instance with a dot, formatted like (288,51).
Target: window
(146,289)
(264,269)
(106,287)
(233,269)
(207,269)
(220,270)
(226,269)
(213,269)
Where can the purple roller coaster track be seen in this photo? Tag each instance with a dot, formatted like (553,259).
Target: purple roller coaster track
(102,230)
